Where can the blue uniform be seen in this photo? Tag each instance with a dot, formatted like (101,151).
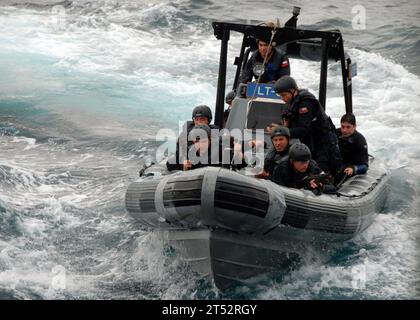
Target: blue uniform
(277,67)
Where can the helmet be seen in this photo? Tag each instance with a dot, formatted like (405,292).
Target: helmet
(202,111)
(199,131)
(280,131)
(230,96)
(299,152)
(285,84)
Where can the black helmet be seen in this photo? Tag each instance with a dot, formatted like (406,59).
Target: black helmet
(285,84)
(230,96)
(202,111)
(199,131)
(280,131)
(299,152)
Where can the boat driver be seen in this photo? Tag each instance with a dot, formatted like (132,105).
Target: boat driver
(277,64)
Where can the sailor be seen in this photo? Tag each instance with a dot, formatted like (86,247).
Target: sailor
(229,100)
(299,171)
(276,66)
(353,147)
(203,153)
(280,137)
(308,122)
(200,115)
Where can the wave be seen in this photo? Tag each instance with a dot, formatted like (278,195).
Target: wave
(40,4)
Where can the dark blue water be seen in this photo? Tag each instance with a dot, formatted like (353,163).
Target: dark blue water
(85,86)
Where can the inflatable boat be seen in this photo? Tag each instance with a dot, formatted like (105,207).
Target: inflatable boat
(215,197)
(234,228)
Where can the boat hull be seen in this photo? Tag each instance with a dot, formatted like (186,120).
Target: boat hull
(232,247)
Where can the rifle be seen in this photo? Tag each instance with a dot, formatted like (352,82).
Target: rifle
(321,180)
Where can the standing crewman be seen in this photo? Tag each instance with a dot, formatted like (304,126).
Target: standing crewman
(308,122)
(276,64)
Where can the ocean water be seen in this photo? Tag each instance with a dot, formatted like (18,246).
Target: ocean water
(85,86)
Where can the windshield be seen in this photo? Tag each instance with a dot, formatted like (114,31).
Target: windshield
(262,114)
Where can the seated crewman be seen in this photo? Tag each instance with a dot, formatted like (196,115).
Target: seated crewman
(200,115)
(353,147)
(201,154)
(301,172)
(280,137)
